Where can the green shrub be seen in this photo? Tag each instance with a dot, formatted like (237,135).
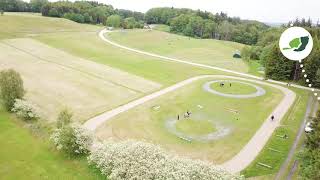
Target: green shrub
(74,17)
(25,110)
(11,88)
(140,160)
(72,139)
(252,52)
(114,21)
(53,13)
(264,54)
(245,52)
(64,118)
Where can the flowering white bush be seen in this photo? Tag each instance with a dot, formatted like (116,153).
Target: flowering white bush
(143,161)
(72,139)
(25,110)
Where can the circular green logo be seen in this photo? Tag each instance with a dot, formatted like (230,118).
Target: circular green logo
(296,43)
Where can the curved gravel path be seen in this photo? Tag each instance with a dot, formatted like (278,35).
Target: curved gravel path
(249,152)
(164,58)
(260,91)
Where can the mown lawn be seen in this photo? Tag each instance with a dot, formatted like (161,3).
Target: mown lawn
(24,156)
(233,88)
(91,47)
(206,51)
(146,122)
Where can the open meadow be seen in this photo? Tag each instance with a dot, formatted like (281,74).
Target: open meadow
(94,49)
(66,65)
(24,156)
(14,25)
(204,51)
(55,80)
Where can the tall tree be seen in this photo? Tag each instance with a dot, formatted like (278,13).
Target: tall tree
(36,5)
(312,62)
(114,21)
(277,66)
(11,87)
(317,78)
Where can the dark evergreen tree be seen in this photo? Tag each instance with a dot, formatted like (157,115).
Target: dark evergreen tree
(277,66)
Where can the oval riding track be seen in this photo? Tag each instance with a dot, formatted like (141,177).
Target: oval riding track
(249,152)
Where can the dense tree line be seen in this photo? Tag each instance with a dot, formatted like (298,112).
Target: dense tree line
(94,13)
(200,24)
(21,6)
(203,24)
(303,23)
(79,11)
(277,67)
(14,6)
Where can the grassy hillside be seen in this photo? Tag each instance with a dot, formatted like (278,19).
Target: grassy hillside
(80,41)
(23,156)
(206,51)
(95,49)
(15,25)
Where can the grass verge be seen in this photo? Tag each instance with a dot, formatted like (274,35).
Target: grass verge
(276,150)
(24,156)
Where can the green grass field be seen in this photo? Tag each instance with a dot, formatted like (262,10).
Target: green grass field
(87,88)
(205,51)
(156,70)
(74,43)
(14,25)
(234,88)
(24,156)
(195,127)
(144,122)
(254,66)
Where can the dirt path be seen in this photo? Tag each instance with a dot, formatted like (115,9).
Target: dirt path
(249,151)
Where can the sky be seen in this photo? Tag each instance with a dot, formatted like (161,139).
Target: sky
(278,11)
